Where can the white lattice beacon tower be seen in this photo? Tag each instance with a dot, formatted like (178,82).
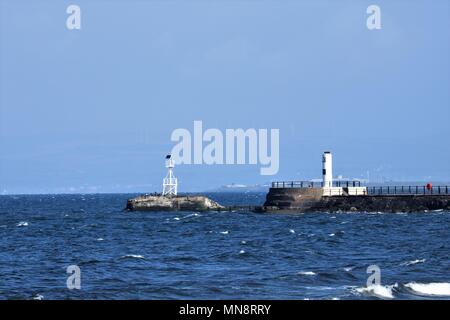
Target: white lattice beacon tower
(327,170)
(170,183)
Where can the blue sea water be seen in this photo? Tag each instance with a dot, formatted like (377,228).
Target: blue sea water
(233,255)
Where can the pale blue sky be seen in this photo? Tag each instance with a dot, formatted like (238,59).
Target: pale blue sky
(92,110)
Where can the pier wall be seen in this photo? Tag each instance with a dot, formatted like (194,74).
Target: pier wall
(310,199)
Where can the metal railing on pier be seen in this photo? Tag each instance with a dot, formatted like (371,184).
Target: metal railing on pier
(314,184)
(408,190)
(371,190)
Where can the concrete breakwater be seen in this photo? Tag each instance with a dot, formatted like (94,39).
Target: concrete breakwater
(312,200)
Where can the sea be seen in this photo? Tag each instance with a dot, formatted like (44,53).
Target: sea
(47,240)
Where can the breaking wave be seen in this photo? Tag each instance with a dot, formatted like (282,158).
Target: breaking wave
(430,289)
(379,291)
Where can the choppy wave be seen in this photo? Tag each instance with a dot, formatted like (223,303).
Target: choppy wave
(430,289)
(412,262)
(307,273)
(192,215)
(348,269)
(22,224)
(133,256)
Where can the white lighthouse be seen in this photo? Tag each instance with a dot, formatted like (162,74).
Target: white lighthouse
(327,172)
(170,183)
(327,169)
(349,188)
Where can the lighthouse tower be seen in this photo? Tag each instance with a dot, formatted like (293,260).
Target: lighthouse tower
(327,171)
(170,183)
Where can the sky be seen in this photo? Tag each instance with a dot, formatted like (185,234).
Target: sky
(92,110)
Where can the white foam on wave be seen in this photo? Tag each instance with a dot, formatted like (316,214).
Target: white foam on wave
(22,224)
(292,231)
(191,215)
(378,290)
(409,263)
(242,252)
(332,234)
(224,232)
(135,256)
(348,269)
(307,273)
(38,297)
(176,218)
(100,239)
(430,289)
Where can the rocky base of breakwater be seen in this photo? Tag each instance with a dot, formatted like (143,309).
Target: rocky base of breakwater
(177,203)
(311,200)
